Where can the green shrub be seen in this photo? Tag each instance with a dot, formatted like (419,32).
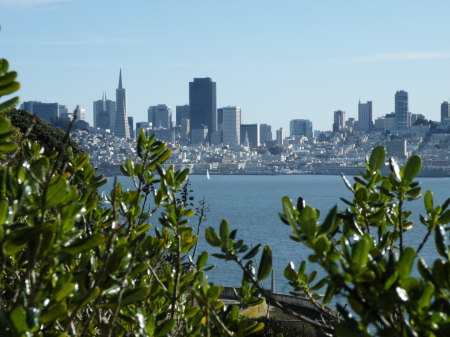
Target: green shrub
(72,263)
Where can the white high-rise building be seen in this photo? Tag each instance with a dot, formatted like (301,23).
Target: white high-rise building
(231,125)
(365,116)
(121,128)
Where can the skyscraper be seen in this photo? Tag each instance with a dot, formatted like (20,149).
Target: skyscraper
(301,127)
(160,116)
(121,128)
(445,111)
(338,120)
(251,133)
(401,110)
(265,133)
(104,113)
(231,125)
(182,112)
(49,112)
(202,103)
(365,116)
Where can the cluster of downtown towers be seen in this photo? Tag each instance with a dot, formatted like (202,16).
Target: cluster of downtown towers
(201,122)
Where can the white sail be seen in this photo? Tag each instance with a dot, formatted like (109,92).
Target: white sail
(207,174)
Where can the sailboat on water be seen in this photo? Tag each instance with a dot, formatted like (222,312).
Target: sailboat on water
(207,175)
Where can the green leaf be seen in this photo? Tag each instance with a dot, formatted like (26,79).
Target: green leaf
(19,319)
(224,232)
(165,328)
(425,298)
(84,244)
(201,260)
(322,245)
(412,168)
(441,242)
(64,290)
(290,273)
(212,238)
(428,201)
(252,252)
(9,88)
(135,295)
(394,168)
(405,263)
(329,221)
(360,251)
(377,158)
(53,312)
(445,217)
(265,265)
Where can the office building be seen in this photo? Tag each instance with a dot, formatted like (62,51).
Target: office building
(445,111)
(48,112)
(301,127)
(104,113)
(121,128)
(231,129)
(265,133)
(130,126)
(338,121)
(142,125)
(182,112)
(281,135)
(202,103)
(402,121)
(250,132)
(365,116)
(220,119)
(199,135)
(160,116)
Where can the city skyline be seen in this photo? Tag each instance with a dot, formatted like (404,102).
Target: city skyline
(290,61)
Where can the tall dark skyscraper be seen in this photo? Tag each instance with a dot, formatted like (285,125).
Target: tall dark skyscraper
(202,102)
(121,128)
(401,110)
(365,116)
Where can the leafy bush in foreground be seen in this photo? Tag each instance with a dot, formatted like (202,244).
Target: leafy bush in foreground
(362,251)
(72,263)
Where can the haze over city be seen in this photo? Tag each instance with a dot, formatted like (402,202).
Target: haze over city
(276,60)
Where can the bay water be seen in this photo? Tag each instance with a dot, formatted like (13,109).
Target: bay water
(251,205)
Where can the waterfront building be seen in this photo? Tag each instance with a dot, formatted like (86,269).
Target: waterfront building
(121,128)
(182,112)
(301,127)
(365,116)
(402,121)
(104,113)
(281,135)
(231,130)
(252,132)
(48,112)
(338,120)
(445,111)
(265,133)
(160,116)
(202,102)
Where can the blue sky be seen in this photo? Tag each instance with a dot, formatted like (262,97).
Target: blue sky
(277,60)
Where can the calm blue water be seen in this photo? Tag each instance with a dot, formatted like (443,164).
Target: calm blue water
(251,205)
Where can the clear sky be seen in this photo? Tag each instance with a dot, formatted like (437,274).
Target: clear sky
(277,60)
